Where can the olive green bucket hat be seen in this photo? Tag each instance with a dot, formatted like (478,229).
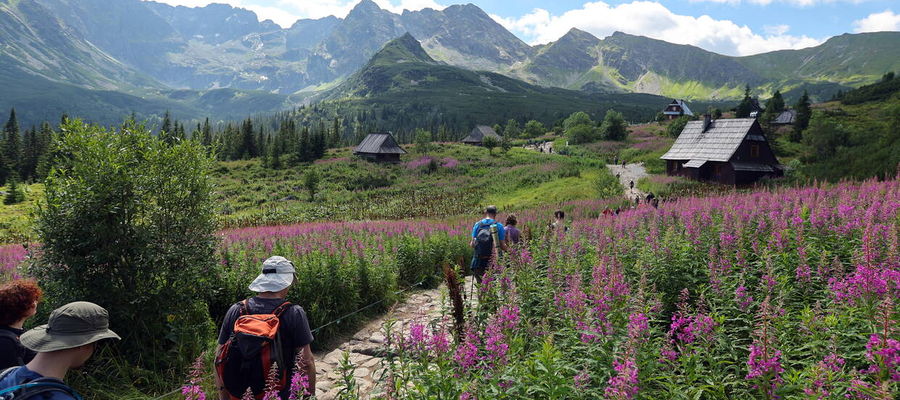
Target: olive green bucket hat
(72,325)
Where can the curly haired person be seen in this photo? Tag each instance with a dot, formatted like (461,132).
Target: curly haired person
(18,302)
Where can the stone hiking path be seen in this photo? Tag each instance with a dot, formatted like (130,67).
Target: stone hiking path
(366,345)
(631,172)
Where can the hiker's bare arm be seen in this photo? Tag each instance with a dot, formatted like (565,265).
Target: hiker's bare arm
(220,386)
(310,363)
(504,246)
(472,242)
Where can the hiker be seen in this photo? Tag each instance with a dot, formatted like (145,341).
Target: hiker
(559,225)
(486,235)
(623,163)
(616,160)
(631,185)
(247,338)
(513,235)
(66,342)
(18,302)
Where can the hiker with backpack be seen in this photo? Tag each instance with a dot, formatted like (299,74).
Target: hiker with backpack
(487,235)
(261,331)
(18,302)
(66,342)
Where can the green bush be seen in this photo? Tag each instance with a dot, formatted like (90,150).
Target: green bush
(132,218)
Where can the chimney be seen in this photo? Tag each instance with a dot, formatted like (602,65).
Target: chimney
(707,120)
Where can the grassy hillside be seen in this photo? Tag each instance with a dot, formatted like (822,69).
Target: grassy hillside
(462,180)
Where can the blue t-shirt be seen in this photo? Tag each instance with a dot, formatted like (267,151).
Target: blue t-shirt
(501,232)
(23,375)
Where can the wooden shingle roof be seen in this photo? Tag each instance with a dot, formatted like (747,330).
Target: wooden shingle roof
(787,117)
(479,133)
(717,143)
(379,143)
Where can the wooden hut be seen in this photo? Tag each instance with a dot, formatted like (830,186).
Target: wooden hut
(728,151)
(476,137)
(379,147)
(786,117)
(676,109)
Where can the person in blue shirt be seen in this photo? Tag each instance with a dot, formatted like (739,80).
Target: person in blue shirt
(485,240)
(65,343)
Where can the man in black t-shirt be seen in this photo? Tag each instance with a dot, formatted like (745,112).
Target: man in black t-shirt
(272,286)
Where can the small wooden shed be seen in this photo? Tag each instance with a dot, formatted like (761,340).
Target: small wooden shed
(379,147)
(728,151)
(476,137)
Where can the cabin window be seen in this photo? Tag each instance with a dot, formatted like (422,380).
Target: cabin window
(754,151)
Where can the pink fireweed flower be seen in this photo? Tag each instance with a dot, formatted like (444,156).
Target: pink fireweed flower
(638,325)
(508,317)
(192,390)
(624,385)
(299,385)
(582,380)
(867,283)
(742,298)
(495,345)
(884,354)
(467,396)
(439,342)
(767,368)
(466,354)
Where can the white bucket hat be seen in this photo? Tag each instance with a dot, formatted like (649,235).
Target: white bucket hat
(277,274)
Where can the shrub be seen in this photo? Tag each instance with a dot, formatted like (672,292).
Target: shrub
(132,218)
(614,126)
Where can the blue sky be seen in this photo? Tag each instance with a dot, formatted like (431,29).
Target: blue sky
(733,27)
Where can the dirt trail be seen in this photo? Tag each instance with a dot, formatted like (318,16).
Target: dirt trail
(369,342)
(630,173)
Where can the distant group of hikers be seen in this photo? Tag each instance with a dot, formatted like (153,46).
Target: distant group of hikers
(255,334)
(489,237)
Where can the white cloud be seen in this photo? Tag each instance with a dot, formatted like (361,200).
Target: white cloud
(877,22)
(286,12)
(652,19)
(776,29)
(798,3)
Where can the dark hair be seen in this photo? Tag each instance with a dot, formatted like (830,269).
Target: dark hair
(492,210)
(511,220)
(559,214)
(16,298)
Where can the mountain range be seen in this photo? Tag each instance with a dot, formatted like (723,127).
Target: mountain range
(158,56)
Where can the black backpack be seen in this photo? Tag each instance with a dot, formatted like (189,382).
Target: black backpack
(32,389)
(248,355)
(484,241)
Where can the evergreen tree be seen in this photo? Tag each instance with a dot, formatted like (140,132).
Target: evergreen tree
(11,142)
(248,148)
(776,103)
(206,133)
(4,169)
(45,154)
(304,153)
(745,107)
(335,137)
(166,130)
(14,193)
(311,182)
(804,113)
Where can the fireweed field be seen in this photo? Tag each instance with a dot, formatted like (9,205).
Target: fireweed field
(785,294)
(791,294)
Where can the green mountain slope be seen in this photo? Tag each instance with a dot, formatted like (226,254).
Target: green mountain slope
(631,63)
(403,76)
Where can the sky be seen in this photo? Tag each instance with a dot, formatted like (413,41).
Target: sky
(732,27)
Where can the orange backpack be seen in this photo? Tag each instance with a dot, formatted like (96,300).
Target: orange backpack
(251,351)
